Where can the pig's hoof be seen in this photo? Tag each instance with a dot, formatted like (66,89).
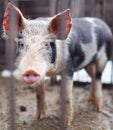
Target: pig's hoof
(98,105)
(68,121)
(96,102)
(40,115)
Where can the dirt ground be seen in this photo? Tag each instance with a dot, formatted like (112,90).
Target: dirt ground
(85,117)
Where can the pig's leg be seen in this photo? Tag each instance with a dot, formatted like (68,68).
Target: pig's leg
(41,104)
(66,92)
(95,71)
(96,88)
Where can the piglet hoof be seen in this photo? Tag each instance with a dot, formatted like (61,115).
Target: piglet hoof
(98,105)
(40,115)
(68,120)
(65,123)
(96,102)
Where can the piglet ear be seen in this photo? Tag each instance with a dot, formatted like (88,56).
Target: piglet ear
(16,16)
(60,25)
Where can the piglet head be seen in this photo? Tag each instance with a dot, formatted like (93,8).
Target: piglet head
(37,49)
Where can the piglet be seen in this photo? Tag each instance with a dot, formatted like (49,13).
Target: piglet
(60,45)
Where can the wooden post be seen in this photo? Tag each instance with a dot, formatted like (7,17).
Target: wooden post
(63,5)
(99,8)
(77,8)
(52,7)
(90,8)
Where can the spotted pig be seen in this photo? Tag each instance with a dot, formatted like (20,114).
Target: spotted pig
(60,45)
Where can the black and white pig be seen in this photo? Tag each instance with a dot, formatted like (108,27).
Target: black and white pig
(45,48)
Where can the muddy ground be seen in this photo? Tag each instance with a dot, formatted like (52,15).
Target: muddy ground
(85,117)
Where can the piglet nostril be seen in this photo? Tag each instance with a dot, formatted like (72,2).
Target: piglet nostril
(27,75)
(35,75)
(31,76)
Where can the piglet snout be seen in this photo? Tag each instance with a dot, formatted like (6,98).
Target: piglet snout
(30,76)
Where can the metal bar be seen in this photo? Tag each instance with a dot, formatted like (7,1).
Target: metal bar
(63,126)
(10,63)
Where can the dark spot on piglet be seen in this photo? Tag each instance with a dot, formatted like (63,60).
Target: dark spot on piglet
(23,108)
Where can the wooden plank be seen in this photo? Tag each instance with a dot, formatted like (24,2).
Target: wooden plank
(53,7)
(33,3)
(90,8)
(77,8)
(62,5)
(99,8)
(107,12)
(35,8)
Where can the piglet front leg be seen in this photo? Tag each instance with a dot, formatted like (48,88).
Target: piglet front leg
(41,104)
(66,92)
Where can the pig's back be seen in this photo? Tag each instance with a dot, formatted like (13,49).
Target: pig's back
(87,37)
(86,29)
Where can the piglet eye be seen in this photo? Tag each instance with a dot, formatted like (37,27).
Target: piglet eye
(46,45)
(20,45)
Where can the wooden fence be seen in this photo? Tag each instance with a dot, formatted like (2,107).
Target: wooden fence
(86,8)
(79,8)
